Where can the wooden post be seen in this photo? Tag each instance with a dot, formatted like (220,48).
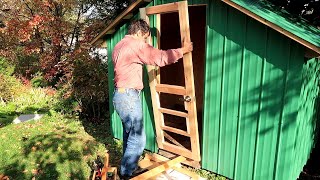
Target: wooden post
(105,167)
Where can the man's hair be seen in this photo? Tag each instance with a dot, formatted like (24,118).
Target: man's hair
(137,25)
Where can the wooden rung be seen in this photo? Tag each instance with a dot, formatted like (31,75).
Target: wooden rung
(159,169)
(173,112)
(175,130)
(182,151)
(161,9)
(171,89)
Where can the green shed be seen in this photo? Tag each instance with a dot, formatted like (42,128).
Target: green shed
(255,83)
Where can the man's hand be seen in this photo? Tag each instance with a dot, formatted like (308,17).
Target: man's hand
(187,47)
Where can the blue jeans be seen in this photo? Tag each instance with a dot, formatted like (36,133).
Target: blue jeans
(128,105)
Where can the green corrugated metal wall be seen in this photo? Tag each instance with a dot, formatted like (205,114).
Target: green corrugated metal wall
(252,89)
(308,113)
(258,117)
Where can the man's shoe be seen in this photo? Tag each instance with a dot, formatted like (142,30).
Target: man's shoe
(124,177)
(138,171)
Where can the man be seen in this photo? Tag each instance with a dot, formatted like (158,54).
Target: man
(129,56)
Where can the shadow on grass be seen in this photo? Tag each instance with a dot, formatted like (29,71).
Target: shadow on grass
(54,155)
(101,132)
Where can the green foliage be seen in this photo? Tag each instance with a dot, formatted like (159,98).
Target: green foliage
(33,100)
(90,88)
(6,68)
(38,80)
(66,104)
(27,65)
(9,87)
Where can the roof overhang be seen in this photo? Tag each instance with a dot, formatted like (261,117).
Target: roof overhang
(311,49)
(125,15)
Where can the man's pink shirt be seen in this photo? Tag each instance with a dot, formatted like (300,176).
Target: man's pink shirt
(130,54)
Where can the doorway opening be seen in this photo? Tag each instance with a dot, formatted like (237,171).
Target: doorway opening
(174,74)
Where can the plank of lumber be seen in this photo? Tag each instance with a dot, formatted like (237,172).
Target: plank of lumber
(160,9)
(171,89)
(152,74)
(188,162)
(153,160)
(104,171)
(145,163)
(189,81)
(182,151)
(159,169)
(93,176)
(156,157)
(173,112)
(158,28)
(113,170)
(175,130)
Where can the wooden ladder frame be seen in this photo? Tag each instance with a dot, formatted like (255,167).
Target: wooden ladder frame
(189,89)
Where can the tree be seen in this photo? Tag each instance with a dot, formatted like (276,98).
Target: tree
(52,30)
(47,36)
(307,9)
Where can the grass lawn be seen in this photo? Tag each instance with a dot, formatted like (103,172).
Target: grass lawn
(55,147)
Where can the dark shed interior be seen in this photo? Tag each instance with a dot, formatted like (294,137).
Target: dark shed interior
(174,74)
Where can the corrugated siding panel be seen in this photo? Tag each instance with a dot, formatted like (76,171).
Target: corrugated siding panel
(287,137)
(116,125)
(252,86)
(307,116)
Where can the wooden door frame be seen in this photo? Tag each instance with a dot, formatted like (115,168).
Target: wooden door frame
(189,89)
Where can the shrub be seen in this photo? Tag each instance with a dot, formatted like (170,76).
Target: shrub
(34,100)
(66,103)
(9,87)
(6,68)
(89,87)
(38,80)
